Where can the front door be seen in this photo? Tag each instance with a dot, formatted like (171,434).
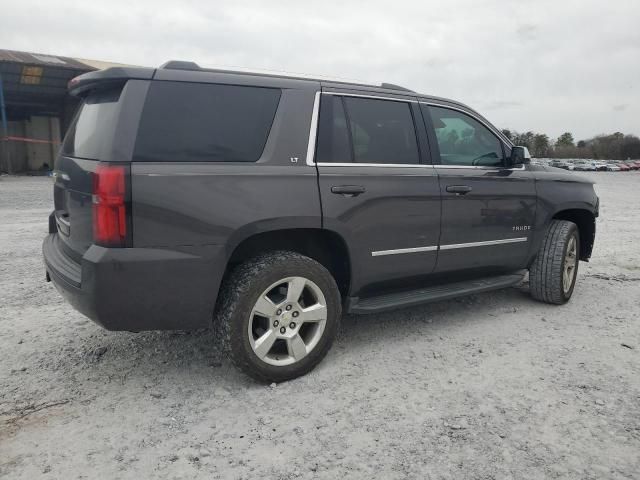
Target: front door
(377,187)
(488,208)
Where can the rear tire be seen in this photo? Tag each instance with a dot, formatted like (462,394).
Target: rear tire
(278,315)
(552,277)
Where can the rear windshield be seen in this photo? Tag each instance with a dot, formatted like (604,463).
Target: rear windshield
(195,122)
(91,132)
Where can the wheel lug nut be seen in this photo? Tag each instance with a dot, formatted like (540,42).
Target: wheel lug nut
(282,330)
(276,323)
(292,325)
(279,311)
(287,308)
(295,314)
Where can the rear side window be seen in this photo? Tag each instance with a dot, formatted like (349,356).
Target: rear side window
(382,131)
(364,130)
(91,133)
(195,122)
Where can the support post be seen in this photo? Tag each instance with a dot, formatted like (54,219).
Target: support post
(5,127)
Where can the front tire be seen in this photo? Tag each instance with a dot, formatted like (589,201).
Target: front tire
(278,315)
(552,277)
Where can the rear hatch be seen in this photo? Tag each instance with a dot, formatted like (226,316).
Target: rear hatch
(100,139)
(84,145)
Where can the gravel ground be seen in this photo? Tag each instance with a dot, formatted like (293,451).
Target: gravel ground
(490,386)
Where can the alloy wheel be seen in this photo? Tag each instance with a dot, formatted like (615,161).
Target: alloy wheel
(570,263)
(287,321)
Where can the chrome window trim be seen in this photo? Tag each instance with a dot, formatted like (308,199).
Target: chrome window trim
(480,167)
(380,253)
(383,165)
(313,130)
(313,135)
(451,246)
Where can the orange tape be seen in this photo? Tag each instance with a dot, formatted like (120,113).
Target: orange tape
(28,140)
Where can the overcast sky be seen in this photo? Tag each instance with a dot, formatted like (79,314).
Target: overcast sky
(544,65)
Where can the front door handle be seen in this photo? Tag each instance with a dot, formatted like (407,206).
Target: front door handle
(348,190)
(459,189)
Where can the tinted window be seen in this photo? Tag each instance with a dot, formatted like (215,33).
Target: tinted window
(193,122)
(333,135)
(462,140)
(91,132)
(382,131)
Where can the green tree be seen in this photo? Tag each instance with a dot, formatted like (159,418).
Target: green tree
(615,146)
(541,145)
(565,140)
(523,139)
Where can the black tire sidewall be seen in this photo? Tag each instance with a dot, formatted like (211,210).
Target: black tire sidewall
(240,348)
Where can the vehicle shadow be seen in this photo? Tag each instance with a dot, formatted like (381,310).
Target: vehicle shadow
(195,356)
(432,318)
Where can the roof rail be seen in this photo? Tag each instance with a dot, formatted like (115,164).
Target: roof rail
(180,65)
(392,86)
(193,66)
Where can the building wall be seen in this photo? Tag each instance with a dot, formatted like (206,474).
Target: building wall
(26,156)
(41,155)
(15,155)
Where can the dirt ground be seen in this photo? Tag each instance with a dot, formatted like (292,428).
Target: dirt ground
(490,386)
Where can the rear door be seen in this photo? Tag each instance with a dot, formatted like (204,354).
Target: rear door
(488,208)
(377,186)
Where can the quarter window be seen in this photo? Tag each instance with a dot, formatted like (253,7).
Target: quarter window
(463,140)
(363,130)
(200,122)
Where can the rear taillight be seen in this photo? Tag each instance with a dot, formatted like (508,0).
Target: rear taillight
(110,206)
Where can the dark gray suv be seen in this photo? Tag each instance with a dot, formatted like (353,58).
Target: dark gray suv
(270,205)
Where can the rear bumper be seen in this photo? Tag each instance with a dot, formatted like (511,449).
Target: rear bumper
(139,288)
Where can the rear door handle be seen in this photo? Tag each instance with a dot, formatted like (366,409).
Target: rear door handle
(459,189)
(348,190)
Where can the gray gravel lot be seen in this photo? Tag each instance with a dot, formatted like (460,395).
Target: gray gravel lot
(489,386)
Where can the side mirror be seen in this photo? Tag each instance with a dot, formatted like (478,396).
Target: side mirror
(520,156)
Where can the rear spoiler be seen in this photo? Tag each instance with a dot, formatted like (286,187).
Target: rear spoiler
(99,79)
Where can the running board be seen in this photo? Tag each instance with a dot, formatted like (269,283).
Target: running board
(431,294)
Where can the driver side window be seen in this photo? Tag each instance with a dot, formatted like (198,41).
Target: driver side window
(463,140)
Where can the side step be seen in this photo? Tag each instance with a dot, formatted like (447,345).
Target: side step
(431,294)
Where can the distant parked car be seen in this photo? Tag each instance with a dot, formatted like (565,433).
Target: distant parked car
(561,164)
(600,166)
(633,164)
(623,166)
(613,167)
(585,166)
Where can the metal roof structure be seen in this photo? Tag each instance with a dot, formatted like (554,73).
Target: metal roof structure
(35,83)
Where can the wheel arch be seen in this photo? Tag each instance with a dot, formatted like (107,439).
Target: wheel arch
(586,222)
(325,246)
